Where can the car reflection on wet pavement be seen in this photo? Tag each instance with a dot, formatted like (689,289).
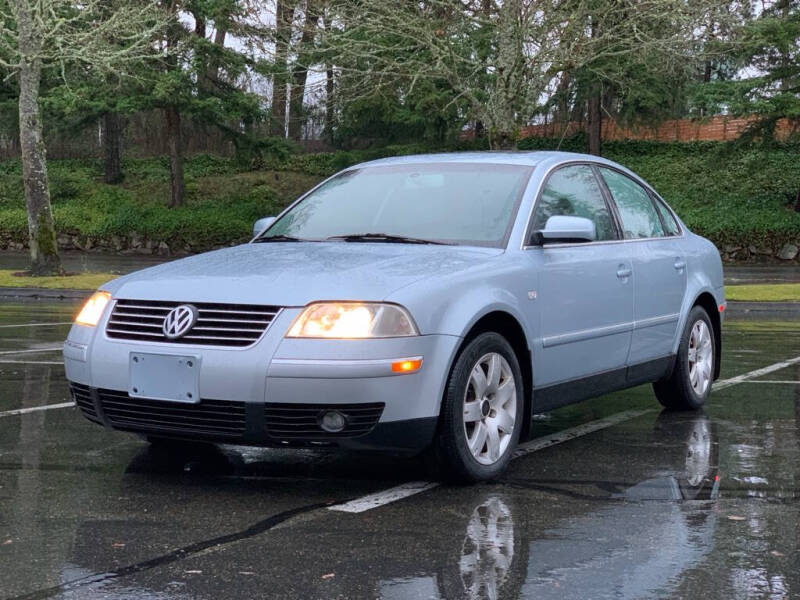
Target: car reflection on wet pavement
(649,504)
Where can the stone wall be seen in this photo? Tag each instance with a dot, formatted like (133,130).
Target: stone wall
(786,253)
(130,244)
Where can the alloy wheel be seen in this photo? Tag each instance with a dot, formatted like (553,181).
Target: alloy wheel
(700,357)
(490,408)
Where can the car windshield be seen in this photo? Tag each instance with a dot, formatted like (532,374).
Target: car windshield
(469,204)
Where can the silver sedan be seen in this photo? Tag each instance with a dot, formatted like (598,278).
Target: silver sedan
(430,302)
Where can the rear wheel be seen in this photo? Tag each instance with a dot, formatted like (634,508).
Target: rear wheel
(482,412)
(689,385)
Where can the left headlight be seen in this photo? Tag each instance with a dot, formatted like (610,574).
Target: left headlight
(93,309)
(353,320)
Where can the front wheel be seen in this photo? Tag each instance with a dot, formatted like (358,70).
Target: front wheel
(689,385)
(482,411)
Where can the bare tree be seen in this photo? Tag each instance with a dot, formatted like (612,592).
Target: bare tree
(300,69)
(43,33)
(500,58)
(283,34)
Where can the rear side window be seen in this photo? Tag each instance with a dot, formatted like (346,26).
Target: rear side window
(573,191)
(636,210)
(670,224)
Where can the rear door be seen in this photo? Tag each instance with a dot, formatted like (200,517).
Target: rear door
(584,301)
(659,263)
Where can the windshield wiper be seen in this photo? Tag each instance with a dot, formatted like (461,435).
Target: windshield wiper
(383,237)
(278,238)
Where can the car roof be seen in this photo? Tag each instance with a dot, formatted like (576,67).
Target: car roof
(526,158)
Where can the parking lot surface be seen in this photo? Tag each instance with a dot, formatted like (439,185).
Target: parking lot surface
(612,498)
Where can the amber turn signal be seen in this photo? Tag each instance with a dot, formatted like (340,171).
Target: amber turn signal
(408,365)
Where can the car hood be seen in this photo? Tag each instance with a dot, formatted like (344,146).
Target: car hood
(296,273)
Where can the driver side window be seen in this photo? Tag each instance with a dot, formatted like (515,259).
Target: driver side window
(573,191)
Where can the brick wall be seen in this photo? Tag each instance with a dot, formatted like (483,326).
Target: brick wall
(715,129)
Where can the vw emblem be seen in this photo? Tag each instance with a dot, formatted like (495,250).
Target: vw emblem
(179,321)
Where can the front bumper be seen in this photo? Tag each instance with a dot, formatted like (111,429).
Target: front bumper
(252,424)
(272,393)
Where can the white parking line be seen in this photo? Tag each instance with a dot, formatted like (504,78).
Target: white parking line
(31,362)
(384,497)
(33,351)
(36,325)
(721,385)
(773,381)
(22,411)
(575,432)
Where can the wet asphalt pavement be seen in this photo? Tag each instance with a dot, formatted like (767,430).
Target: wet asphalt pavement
(632,503)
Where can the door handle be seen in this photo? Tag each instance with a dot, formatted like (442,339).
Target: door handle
(680,264)
(624,272)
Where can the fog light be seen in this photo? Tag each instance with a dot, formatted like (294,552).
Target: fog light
(332,421)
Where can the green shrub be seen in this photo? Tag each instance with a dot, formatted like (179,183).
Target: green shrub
(732,193)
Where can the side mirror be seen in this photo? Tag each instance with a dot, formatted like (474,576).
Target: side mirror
(566,229)
(262,224)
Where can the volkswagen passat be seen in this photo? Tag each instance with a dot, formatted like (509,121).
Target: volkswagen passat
(410,303)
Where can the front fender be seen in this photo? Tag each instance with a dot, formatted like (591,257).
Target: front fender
(452,306)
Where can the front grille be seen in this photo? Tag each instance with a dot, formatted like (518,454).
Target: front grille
(209,418)
(300,421)
(83,400)
(232,325)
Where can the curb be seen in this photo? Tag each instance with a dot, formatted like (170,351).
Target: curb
(775,308)
(41,293)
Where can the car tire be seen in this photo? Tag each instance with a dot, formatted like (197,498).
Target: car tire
(689,385)
(478,410)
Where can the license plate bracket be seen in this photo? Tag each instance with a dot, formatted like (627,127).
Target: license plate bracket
(168,377)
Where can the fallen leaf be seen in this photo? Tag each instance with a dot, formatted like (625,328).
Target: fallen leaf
(328,575)
(736,518)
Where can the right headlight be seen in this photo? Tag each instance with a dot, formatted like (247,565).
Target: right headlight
(93,309)
(352,320)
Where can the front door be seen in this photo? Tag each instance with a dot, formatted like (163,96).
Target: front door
(585,298)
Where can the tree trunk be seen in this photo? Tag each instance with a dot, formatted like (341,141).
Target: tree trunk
(172,120)
(112,147)
(283,31)
(330,106)
(502,141)
(562,96)
(208,78)
(595,125)
(199,25)
(300,73)
(219,34)
(41,228)
(212,71)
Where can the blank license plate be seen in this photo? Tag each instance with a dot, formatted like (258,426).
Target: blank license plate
(164,377)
